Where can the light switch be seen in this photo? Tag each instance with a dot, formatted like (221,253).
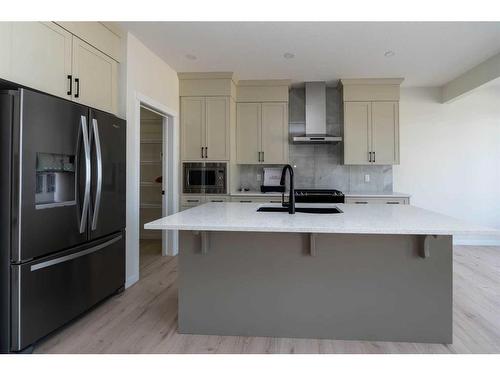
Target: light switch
(367,178)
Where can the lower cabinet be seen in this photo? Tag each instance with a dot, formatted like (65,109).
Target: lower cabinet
(190,201)
(257,199)
(376,200)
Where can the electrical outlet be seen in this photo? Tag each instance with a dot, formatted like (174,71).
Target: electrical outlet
(259,177)
(367,178)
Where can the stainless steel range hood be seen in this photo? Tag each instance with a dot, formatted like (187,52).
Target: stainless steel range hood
(316,116)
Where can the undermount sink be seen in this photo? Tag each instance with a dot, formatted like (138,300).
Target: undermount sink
(305,210)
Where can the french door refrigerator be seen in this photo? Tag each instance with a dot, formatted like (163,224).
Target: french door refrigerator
(62,216)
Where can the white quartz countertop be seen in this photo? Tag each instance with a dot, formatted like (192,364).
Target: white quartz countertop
(360,219)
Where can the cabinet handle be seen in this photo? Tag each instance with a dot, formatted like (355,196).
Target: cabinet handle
(374,156)
(202,152)
(70,79)
(369,156)
(361,202)
(392,202)
(192,200)
(263,156)
(245,201)
(258,156)
(216,200)
(206,152)
(77,83)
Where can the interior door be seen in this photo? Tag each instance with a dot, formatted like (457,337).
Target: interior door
(193,128)
(52,158)
(357,132)
(248,120)
(217,128)
(41,56)
(274,133)
(97,76)
(108,150)
(385,132)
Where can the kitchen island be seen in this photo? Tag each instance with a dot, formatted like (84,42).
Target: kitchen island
(372,272)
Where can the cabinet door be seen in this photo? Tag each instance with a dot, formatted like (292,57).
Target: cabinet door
(357,132)
(192,128)
(385,132)
(41,57)
(217,128)
(97,77)
(274,133)
(5,50)
(248,127)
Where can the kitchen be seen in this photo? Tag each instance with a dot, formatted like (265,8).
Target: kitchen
(369,206)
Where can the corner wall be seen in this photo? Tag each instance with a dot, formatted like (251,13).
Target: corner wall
(148,76)
(450,155)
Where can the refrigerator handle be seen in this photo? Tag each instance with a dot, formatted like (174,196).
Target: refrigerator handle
(86,149)
(97,203)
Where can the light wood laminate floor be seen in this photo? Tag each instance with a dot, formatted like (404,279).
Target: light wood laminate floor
(144,318)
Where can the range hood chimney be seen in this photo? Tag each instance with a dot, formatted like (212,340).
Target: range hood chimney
(316,116)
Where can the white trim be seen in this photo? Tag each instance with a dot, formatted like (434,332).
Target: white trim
(133,178)
(131,280)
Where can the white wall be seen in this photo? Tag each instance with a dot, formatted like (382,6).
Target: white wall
(450,155)
(147,76)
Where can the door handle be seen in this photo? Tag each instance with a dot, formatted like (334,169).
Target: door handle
(80,254)
(70,79)
(83,133)
(97,203)
(77,84)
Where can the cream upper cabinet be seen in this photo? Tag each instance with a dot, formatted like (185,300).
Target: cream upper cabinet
(371,133)
(5,47)
(217,146)
(248,128)
(262,133)
(274,133)
(47,57)
(95,77)
(371,120)
(193,128)
(205,128)
(357,132)
(41,57)
(385,132)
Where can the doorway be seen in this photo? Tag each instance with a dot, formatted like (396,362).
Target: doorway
(152,190)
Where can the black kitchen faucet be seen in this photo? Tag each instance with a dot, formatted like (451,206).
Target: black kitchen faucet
(291,197)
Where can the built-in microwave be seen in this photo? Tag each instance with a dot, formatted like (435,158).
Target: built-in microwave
(205,178)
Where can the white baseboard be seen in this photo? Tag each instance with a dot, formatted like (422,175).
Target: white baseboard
(131,280)
(476,241)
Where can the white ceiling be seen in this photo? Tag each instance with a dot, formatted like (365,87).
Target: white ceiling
(426,54)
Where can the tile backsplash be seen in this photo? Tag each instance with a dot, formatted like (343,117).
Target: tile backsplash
(319,166)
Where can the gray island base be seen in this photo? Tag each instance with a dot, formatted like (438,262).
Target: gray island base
(380,287)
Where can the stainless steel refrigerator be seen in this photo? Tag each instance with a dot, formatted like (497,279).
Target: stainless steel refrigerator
(62,213)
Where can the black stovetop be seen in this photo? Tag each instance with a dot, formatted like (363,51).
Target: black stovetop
(319,196)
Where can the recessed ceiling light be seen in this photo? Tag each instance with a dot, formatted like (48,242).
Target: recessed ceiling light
(288,55)
(389,53)
(191,57)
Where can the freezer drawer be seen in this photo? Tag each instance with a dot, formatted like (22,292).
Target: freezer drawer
(50,292)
